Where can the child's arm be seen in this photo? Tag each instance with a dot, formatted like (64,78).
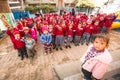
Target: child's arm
(42,38)
(50,39)
(82,59)
(23,39)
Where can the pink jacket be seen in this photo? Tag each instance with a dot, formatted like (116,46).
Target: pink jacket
(97,65)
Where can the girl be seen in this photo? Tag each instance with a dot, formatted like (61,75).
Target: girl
(33,32)
(59,40)
(46,38)
(97,58)
(30,45)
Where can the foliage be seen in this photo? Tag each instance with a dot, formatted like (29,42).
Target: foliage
(46,8)
(84,4)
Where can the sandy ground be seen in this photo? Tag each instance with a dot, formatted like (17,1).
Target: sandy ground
(41,66)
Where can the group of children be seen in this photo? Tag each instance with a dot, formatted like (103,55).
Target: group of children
(67,28)
(56,31)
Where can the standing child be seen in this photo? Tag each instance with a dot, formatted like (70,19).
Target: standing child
(79,32)
(94,30)
(20,46)
(69,34)
(33,32)
(87,33)
(97,58)
(46,38)
(51,31)
(59,40)
(30,45)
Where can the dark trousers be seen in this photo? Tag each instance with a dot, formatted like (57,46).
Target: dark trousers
(22,51)
(88,75)
(31,52)
(48,48)
(86,36)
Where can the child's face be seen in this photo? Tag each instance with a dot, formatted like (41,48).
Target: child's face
(79,25)
(27,38)
(45,32)
(100,44)
(17,36)
(26,30)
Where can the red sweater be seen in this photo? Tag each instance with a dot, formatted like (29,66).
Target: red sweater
(59,32)
(79,31)
(18,44)
(69,32)
(95,29)
(87,29)
(107,22)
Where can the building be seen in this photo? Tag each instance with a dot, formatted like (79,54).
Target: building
(9,5)
(60,4)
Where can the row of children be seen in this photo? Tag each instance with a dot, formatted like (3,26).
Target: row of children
(56,29)
(77,29)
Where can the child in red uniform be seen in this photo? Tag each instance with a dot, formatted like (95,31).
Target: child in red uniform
(59,41)
(19,45)
(79,32)
(69,35)
(87,32)
(94,30)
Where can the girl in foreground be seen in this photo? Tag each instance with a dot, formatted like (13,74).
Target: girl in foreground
(96,59)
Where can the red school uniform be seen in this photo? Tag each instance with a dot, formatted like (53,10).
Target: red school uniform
(95,29)
(19,26)
(59,30)
(69,32)
(88,29)
(17,41)
(79,31)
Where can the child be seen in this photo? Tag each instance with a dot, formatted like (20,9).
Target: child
(79,32)
(69,34)
(59,40)
(51,31)
(94,30)
(46,38)
(97,58)
(33,32)
(20,46)
(30,45)
(87,32)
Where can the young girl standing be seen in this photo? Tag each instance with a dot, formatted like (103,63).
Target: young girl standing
(97,58)
(46,39)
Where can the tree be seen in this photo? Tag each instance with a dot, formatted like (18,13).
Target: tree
(84,3)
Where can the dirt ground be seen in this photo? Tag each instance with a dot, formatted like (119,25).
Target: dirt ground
(41,66)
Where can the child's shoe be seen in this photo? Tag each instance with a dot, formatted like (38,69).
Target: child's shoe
(66,47)
(56,49)
(69,46)
(61,48)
